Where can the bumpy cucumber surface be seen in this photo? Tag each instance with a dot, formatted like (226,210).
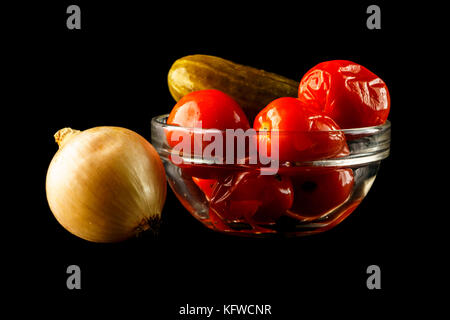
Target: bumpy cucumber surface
(252,88)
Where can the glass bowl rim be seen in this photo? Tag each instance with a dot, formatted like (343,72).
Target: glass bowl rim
(365,154)
(160,121)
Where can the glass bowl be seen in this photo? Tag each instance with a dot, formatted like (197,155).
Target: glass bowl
(310,193)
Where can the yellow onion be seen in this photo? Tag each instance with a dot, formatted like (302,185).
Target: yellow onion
(105,184)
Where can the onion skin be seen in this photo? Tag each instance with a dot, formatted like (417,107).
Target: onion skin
(105,184)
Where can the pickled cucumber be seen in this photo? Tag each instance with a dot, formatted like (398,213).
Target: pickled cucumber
(252,88)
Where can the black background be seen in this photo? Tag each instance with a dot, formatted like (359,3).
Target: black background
(113,72)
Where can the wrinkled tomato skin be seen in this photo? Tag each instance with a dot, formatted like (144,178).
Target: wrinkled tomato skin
(347,92)
(207,186)
(205,171)
(252,198)
(299,132)
(317,191)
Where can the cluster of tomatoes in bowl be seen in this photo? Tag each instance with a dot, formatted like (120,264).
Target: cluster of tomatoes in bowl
(332,96)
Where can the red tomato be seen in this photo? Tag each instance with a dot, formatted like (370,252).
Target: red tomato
(303,133)
(207,109)
(206,185)
(347,92)
(205,170)
(252,198)
(317,191)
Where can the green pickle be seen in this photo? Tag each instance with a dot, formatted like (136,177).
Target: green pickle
(252,88)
